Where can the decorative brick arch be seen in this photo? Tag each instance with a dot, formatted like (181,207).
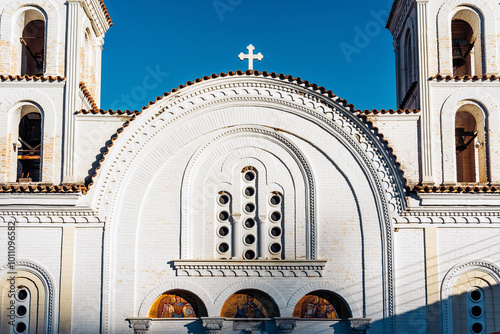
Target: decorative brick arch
(448,110)
(173,285)
(443,34)
(48,284)
(449,280)
(249,285)
(351,302)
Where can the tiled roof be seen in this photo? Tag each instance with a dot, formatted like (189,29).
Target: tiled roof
(389,111)
(88,96)
(39,188)
(30,78)
(328,93)
(108,112)
(457,188)
(485,77)
(103,6)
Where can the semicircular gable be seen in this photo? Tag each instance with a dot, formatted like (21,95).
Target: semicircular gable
(188,119)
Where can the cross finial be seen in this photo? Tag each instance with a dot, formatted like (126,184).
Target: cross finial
(250,56)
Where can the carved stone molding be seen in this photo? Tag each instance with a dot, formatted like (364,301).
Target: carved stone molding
(228,268)
(49,217)
(286,325)
(140,325)
(213,325)
(360,325)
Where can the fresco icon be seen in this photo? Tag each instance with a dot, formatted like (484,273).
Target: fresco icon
(175,304)
(321,305)
(249,304)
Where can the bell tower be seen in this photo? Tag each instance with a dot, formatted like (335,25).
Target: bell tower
(50,67)
(447,66)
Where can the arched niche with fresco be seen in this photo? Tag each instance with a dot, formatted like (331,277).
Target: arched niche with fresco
(321,304)
(250,304)
(177,304)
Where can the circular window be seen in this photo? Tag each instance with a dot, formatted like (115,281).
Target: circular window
(275,200)
(249,191)
(249,223)
(223,199)
(21,310)
(223,247)
(223,231)
(275,248)
(223,215)
(22,294)
(275,216)
(476,311)
(275,232)
(475,295)
(249,239)
(20,327)
(249,207)
(249,255)
(249,176)
(477,327)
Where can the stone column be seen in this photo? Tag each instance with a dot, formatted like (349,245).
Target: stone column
(213,325)
(140,325)
(360,325)
(286,325)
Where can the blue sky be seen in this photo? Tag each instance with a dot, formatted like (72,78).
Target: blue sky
(157,45)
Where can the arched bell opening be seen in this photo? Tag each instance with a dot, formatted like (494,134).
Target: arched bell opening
(33,40)
(29,146)
(467,52)
(471,144)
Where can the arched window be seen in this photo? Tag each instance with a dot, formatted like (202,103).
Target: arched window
(29,146)
(33,44)
(467,43)
(471,144)
(248,233)
(408,61)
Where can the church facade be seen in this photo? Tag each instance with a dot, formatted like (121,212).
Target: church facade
(250,202)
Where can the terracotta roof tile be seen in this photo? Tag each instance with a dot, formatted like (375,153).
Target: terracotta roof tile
(39,188)
(457,188)
(485,77)
(30,78)
(363,114)
(103,6)
(88,96)
(108,112)
(389,111)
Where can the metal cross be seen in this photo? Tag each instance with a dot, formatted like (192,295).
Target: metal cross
(250,56)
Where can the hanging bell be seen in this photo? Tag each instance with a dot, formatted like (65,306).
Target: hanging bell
(458,57)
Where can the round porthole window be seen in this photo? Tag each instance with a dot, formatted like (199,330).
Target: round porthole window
(249,223)
(249,239)
(249,255)
(275,200)
(223,199)
(249,208)
(249,176)
(275,248)
(22,294)
(275,232)
(223,216)
(21,311)
(223,231)
(475,295)
(275,216)
(476,311)
(477,328)
(223,247)
(20,327)
(249,191)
